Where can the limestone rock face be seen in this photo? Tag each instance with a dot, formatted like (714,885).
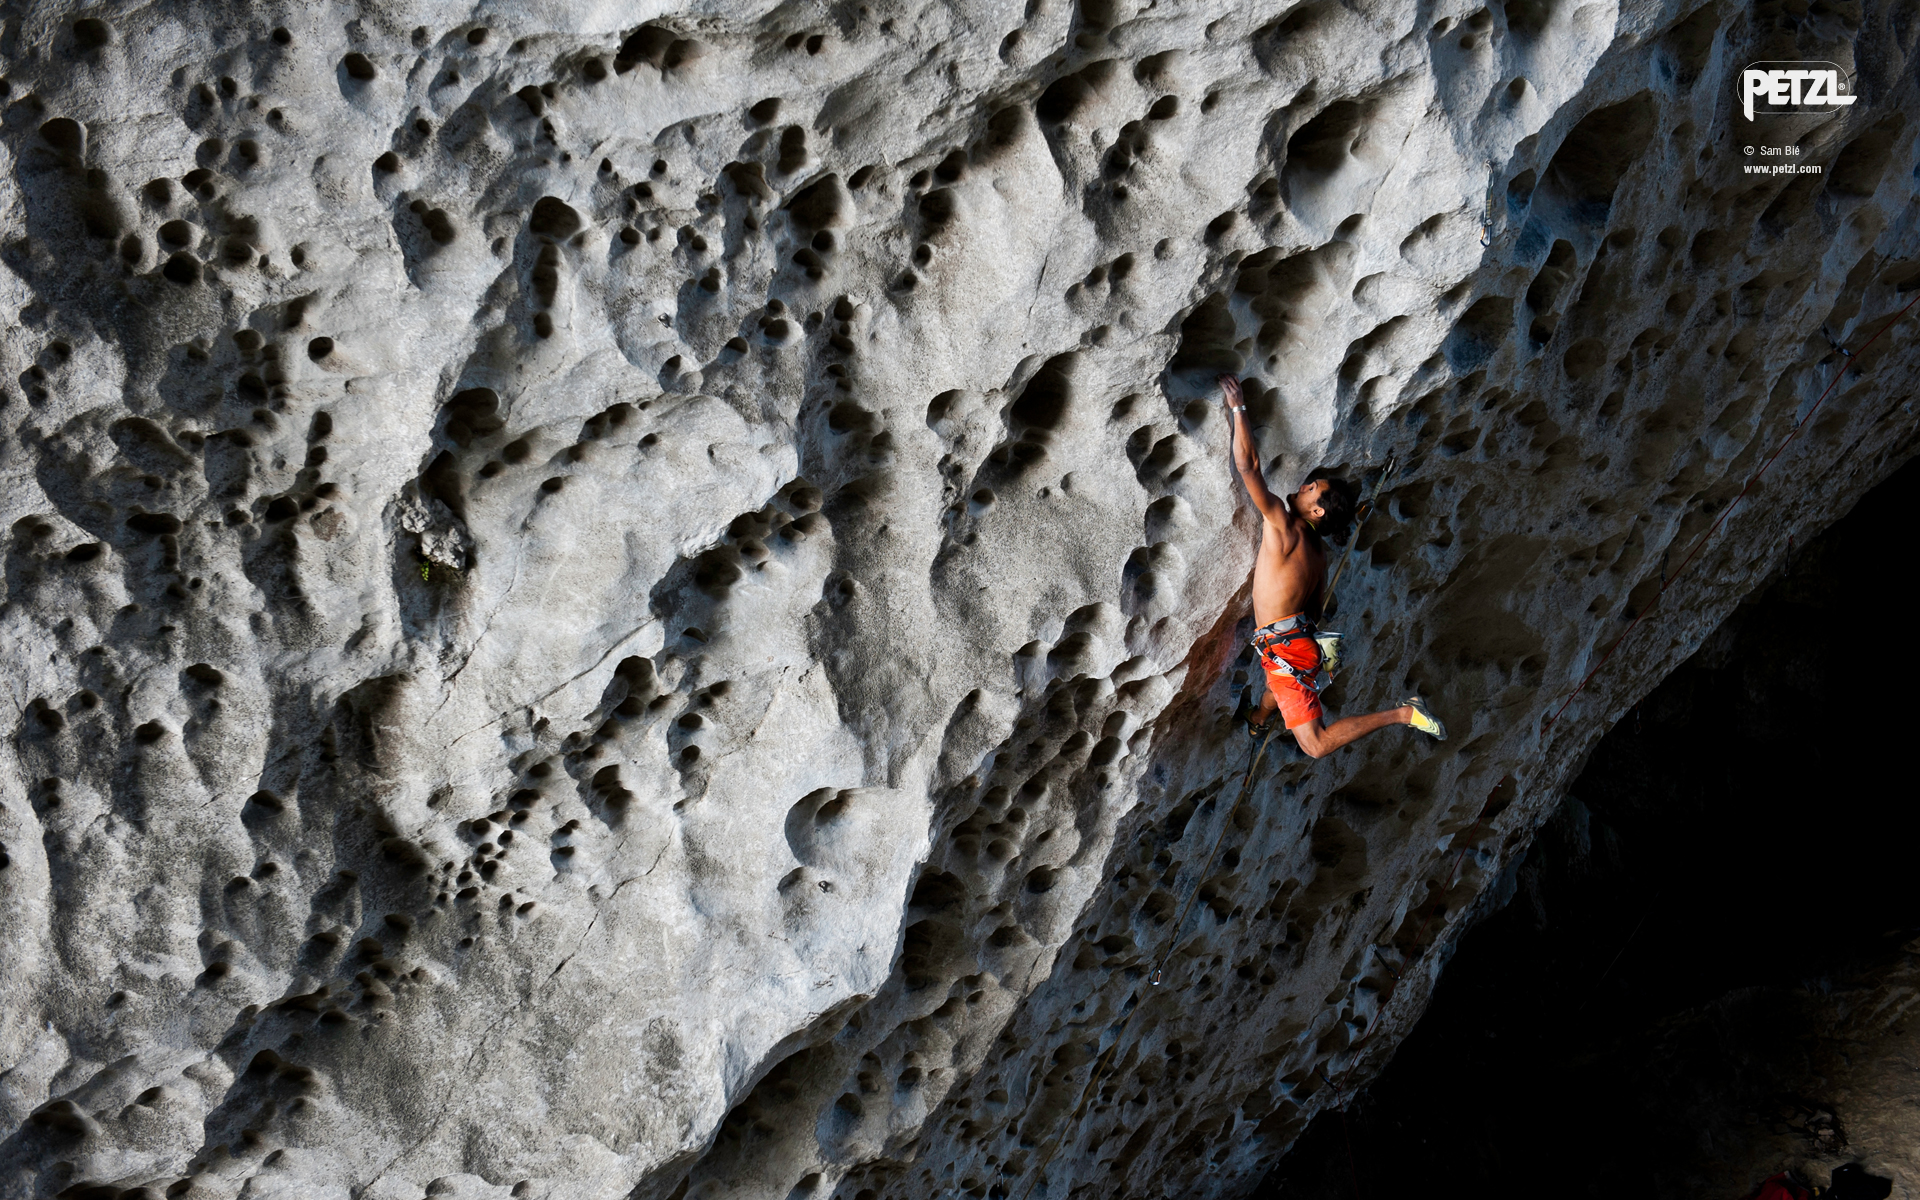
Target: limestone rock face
(603,604)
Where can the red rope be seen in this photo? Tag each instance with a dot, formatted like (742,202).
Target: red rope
(1353,1167)
(1453,877)
(1111,1053)
(1700,543)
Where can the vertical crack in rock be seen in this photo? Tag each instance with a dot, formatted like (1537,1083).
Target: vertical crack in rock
(651,610)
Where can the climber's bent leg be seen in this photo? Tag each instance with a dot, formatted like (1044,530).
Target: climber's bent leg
(1318,740)
(1266,708)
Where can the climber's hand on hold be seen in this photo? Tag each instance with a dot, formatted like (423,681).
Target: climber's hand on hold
(1247,462)
(1235,400)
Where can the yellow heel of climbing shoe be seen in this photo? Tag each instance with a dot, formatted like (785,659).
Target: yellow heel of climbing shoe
(1425,721)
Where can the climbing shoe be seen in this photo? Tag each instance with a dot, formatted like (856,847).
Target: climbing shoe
(1425,721)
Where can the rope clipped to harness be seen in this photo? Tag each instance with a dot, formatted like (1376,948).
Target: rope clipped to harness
(1246,787)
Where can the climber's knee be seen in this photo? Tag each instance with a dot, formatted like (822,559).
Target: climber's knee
(1309,738)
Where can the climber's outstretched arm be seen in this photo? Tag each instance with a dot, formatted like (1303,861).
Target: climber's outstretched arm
(1247,461)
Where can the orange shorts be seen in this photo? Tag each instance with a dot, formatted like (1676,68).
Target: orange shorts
(1299,703)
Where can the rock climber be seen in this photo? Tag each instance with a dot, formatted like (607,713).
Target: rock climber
(1289,578)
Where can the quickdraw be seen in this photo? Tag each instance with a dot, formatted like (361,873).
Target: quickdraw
(1486,222)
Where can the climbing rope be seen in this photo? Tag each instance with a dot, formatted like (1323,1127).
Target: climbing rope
(1849,361)
(1360,514)
(1452,878)
(1173,940)
(1353,1165)
(1180,922)
(1339,1088)
(1621,953)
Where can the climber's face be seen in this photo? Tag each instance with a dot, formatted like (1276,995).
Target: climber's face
(1307,500)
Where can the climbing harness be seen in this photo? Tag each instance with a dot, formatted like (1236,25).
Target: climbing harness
(1154,977)
(1268,639)
(1700,543)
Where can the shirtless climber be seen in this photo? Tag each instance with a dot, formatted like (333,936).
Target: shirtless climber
(1288,581)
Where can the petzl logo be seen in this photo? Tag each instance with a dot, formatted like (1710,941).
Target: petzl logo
(1784,88)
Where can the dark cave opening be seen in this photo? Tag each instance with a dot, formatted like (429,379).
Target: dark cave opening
(1652,1013)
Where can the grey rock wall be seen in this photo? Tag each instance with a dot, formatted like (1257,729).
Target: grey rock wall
(604,604)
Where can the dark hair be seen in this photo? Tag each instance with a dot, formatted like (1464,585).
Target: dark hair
(1338,504)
